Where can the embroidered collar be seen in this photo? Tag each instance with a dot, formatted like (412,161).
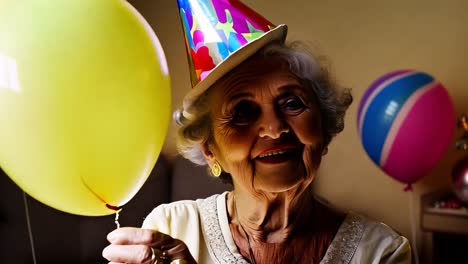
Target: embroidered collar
(213,234)
(346,240)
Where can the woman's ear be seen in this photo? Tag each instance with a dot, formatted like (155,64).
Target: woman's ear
(207,153)
(214,165)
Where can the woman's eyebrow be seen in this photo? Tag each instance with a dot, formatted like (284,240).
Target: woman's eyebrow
(236,96)
(292,88)
(231,99)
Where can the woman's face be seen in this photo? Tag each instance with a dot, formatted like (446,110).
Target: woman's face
(267,127)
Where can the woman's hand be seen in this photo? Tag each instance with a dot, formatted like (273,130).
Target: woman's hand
(145,246)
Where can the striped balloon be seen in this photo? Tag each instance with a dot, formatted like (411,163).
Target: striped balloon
(406,123)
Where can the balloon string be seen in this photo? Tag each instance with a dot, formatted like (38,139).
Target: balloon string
(413,227)
(408,188)
(116,221)
(28,222)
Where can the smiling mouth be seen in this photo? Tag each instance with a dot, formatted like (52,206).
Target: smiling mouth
(278,156)
(275,153)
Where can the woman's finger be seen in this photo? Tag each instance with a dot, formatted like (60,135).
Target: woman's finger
(134,245)
(138,236)
(128,253)
(131,236)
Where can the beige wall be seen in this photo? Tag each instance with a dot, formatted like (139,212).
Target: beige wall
(363,39)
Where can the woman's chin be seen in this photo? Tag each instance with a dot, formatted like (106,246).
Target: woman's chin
(279,182)
(280,173)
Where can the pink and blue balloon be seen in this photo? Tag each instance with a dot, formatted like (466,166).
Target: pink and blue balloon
(406,123)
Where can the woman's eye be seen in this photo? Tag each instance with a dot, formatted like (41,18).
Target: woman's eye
(243,113)
(292,105)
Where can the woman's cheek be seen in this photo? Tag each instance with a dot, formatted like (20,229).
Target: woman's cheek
(235,154)
(307,127)
(236,146)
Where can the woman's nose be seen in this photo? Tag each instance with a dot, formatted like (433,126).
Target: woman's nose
(272,125)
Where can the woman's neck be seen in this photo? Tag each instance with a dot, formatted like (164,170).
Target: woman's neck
(270,217)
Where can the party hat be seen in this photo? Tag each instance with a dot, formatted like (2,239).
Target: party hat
(219,35)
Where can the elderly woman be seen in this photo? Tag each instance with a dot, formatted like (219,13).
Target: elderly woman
(263,128)
(262,125)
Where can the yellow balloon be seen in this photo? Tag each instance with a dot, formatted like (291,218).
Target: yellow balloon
(84,101)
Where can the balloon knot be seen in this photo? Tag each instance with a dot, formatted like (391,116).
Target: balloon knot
(408,188)
(112,207)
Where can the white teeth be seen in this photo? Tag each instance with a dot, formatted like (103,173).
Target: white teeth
(273,153)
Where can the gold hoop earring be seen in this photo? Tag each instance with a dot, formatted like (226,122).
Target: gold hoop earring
(216,169)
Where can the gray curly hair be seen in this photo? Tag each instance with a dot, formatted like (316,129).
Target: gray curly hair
(333,102)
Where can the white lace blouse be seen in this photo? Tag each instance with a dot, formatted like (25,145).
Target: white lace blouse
(203,225)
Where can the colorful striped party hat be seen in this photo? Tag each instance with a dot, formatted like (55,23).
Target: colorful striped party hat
(219,35)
